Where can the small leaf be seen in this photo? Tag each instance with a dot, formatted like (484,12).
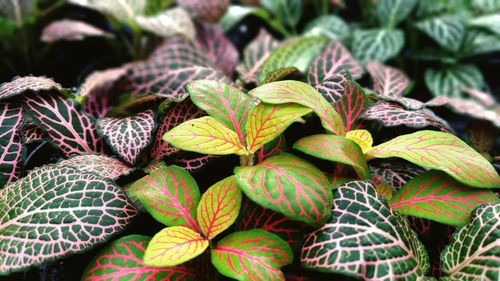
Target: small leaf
(365,238)
(448,31)
(252,255)
(100,79)
(287,11)
(336,149)
(174,245)
(362,137)
(441,151)
(167,23)
(288,185)
(487,6)
(391,12)
(491,22)
(285,73)
(20,85)
(376,44)
(13,151)
(193,161)
(451,82)
(219,207)
(436,196)
(266,122)
(387,81)
(384,190)
(331,26)
(207,10)
(122,10)
(482,136)
(71,30)
(205,135)
(351,105)
(30,132)
(101,165)
(297,92)
(395,174)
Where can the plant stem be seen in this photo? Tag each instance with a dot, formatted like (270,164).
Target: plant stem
(247,160)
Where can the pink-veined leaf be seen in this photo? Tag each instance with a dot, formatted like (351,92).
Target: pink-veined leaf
(207,10)
(390,114)
(168,22)
(71,30)
(20,85)
(124,11)
(56,211)
(69,128)
(483,97)
(271,148)
(336,149)
(255,54)
(217,47)
(122,259)
(395,174)
(170,195)
(407,103)
(365,238)
(333,88)
(205,135)
(99,79)
(265,122)
(12,152)
(99,101)
(102,165)
(193,161)
(297,190)
(351,105)
(252,255)
(303,94)
(128,136)
(174,245)
(437,196)
(219,207)
(440,151)
(30,132)
(175,115)
(387,81)
(223,102)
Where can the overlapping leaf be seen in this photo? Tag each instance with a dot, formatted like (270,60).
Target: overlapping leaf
(208,10)
(271,148)
(98,80)
(252,255)
(168,23)
(332,26)
(391,12)
(41,218)
(362,137)
(473,250)
(20,85)
(351,105)
(365,238)
(254,55)
(448,31)
(436,196)
(122,10)
(376,44)
(70,129)
(102,165)
(194,161)
(287,11)
(485,5)
(71,30)
(396,174)
(30,132)
(440,151)
(123,259)
(128,136)
(452,81)
(11,156)
(484,98)
(387,81)
(288,185)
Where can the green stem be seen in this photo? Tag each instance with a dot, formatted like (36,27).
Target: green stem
(247,160)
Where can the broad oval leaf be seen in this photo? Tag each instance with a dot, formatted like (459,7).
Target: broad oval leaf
(55,211)
(169,22)
(336,149)
(387,81)
(205,135)
(266,122)
(448,31)
(219,207)
(170,195)
(332,26)
(362,137)
(102,165)
(123,10)
(174,245)
(436,196)
(122,259)
(365,238)
(376,44)
(129,136)
(451,82)
(288,185)
(287,11)
(13,151)
(391,12)
(207,10)
(298,92)
(395,174)
(20,85)
(440,151)
(472,253)
(98,80)
(71,30)
(351,105)
(252,255)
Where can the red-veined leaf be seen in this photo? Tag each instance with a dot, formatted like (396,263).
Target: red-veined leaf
(297,190)
(303,94)
(255,54)
(351,105)
(387,81)
(56,211)
(271,148)
(205,135)
(284,73)
(252,255)
(20,85)
(207,10)
(384,190)
(219,207)
(70,129)
(436,196)
(333,88)
(362,137)
(30,132)
(440,151)
(100,100)
(122,259)
(128,136)
(168,22)
(71,30)
(193,161)
(102,165)
(170,195)
(365,238)
(265,122)
(336,149)
(12,152)
(395,174)
(174,245)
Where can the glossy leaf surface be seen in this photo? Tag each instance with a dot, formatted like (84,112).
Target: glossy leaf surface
(448,31)
(376,44)
(20,85)
(387,81)
(351,105)
(71,30)
(450,82)
(362,137)
(11,157)
(102,165)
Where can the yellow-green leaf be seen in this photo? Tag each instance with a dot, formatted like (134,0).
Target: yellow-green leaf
(362,137)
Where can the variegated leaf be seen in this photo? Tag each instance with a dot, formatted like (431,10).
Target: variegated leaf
(288,12)
(391,12)
(207,10)
(333,88)
(485,5)
(395,174)
(331,26)
(169,22)
(102,165)
(376,44)
(362,137)
(41,218)
(387,81)
(193,161)
(491,22)
(484,98)
(272,148)
(451,82)
(365,238)
(122,10)
(12,149)
(19,85)
(30,132)
(482,136)
(98,80)
(407,103)
(448,31)
(351,105)
(71,30)
(285,73)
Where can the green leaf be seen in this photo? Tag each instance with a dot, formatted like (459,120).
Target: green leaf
(252,255)
(391,12)
(288,11)
(473,250)
(479,42)
(288,185)
(330,26)
(436,196)
(170,195)
(234,15)
(102,165)
(451,81)
(336,149)
(11,142)
(448,31)
(285,73)
(376,44)
(266,122)
(297,92)
(351,105)
(298,52)
(488,6)
(491,22)
(365,238)
(56,211)
(440,151)
(205,135)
